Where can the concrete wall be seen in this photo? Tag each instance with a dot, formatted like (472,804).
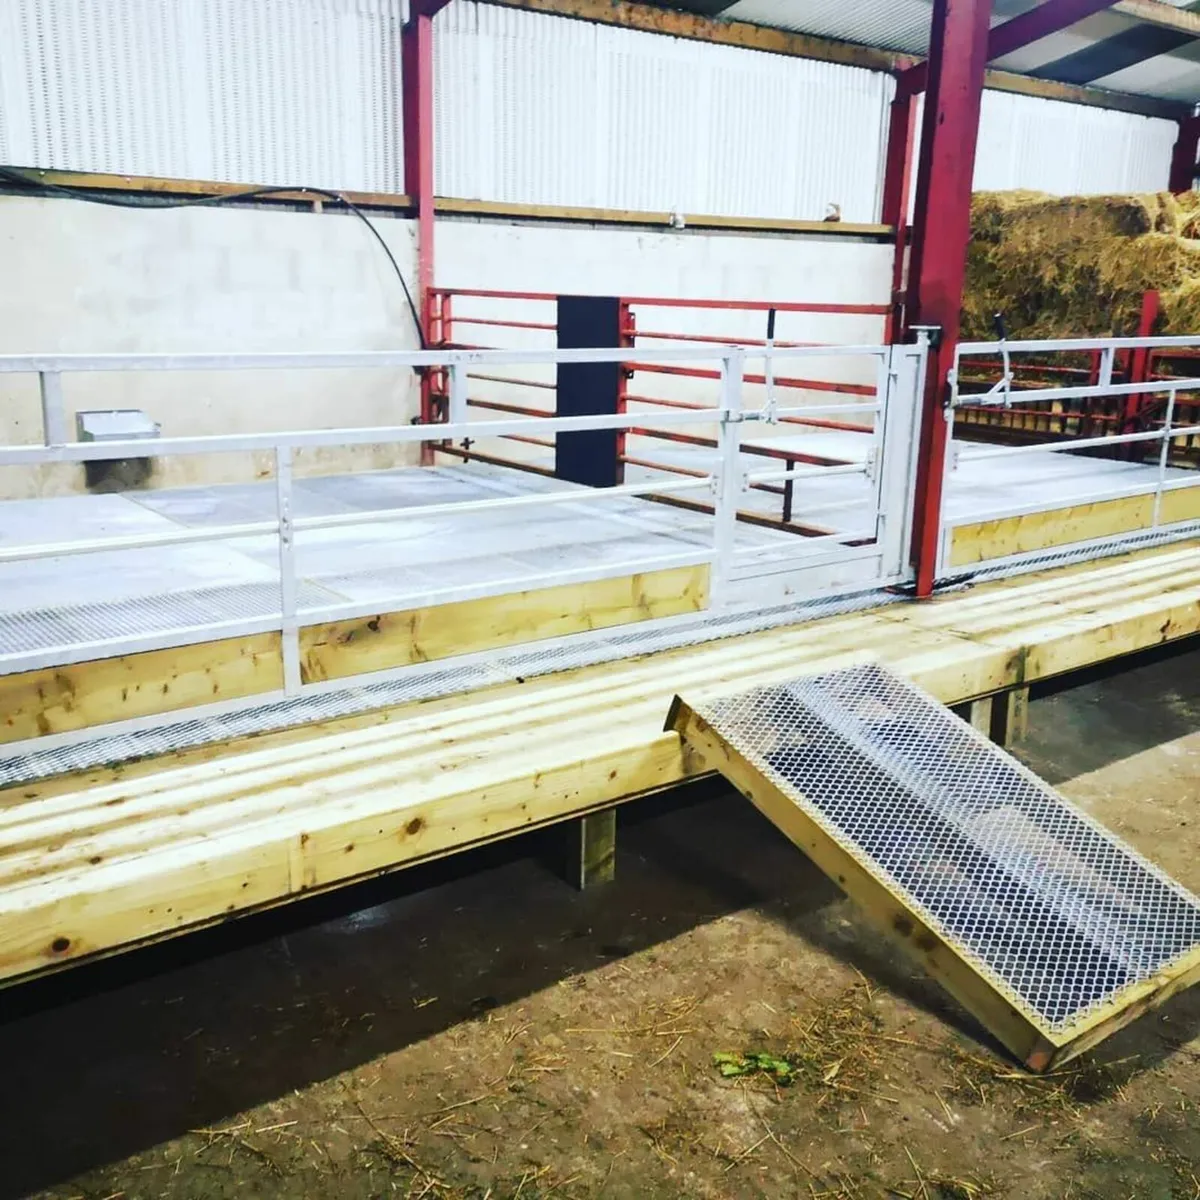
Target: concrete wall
(92,279)
(80,278)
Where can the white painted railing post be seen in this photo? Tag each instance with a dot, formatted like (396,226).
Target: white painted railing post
(457,413)
(726,477)
(289,623)
(1163,455)
(54,414)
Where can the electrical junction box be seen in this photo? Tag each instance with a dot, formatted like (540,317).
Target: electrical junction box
(116,425)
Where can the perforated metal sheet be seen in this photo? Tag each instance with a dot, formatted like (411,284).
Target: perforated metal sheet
(1054,911)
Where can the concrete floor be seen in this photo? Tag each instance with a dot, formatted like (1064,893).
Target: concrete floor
(478,1028)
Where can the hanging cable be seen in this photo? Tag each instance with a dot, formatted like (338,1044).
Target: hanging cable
(74,193)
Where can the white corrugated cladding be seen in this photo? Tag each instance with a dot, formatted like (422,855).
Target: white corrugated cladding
(545,110)
(1038,145)
(249,91)
(1068,149)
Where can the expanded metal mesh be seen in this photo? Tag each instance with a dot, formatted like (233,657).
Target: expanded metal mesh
(1054,910)
(422,682)
(70,625)
(1078,552)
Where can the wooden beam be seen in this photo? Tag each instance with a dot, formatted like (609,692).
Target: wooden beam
(398,639)
(998,538)
(1165,16)
(80,695)
(451,206)
(155,185)
(85,694)
(651,19)
(777,41)
(1009,713)
(1091,97)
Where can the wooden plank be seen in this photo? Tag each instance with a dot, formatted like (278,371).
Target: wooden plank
(59,699)
(142,897)
(1090,97)
(629,216)
(1127,1006)
(398,639)
(1051,527)
(160,185)
(883,908)
(100,691)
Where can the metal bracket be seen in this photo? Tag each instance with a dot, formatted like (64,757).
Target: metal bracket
(770,407)
(871,462)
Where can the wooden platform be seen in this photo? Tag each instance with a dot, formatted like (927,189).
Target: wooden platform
(119,856)
(83,694)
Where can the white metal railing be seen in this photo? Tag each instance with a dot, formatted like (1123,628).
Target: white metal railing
(1153,478)
(898,369)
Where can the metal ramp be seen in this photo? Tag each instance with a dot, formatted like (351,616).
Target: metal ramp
(1044,925)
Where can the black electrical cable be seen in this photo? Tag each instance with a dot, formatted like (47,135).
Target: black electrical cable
(74,193)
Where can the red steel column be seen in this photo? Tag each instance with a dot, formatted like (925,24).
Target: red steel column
(958,53)
(897,180)
(416,62)
(1183,158)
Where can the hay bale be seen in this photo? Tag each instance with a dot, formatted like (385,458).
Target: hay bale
(1078,265)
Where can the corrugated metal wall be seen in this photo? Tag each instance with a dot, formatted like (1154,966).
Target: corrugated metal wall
(1067,149)
(530,109)
(249,91)
(538,109)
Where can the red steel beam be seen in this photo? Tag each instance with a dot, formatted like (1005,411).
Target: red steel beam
(1184,156)
(1032,26)
(897,186)
(416,63)
(958,52)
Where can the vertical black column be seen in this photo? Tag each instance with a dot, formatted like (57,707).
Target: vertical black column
(588,389)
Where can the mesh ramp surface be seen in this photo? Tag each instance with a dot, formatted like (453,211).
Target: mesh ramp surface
(1046,926)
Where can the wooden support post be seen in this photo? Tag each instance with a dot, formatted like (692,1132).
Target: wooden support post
(1009,717)
(980,714)
(591,849)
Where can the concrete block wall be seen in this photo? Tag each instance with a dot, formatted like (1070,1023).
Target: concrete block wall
(94,279)
(87,279)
